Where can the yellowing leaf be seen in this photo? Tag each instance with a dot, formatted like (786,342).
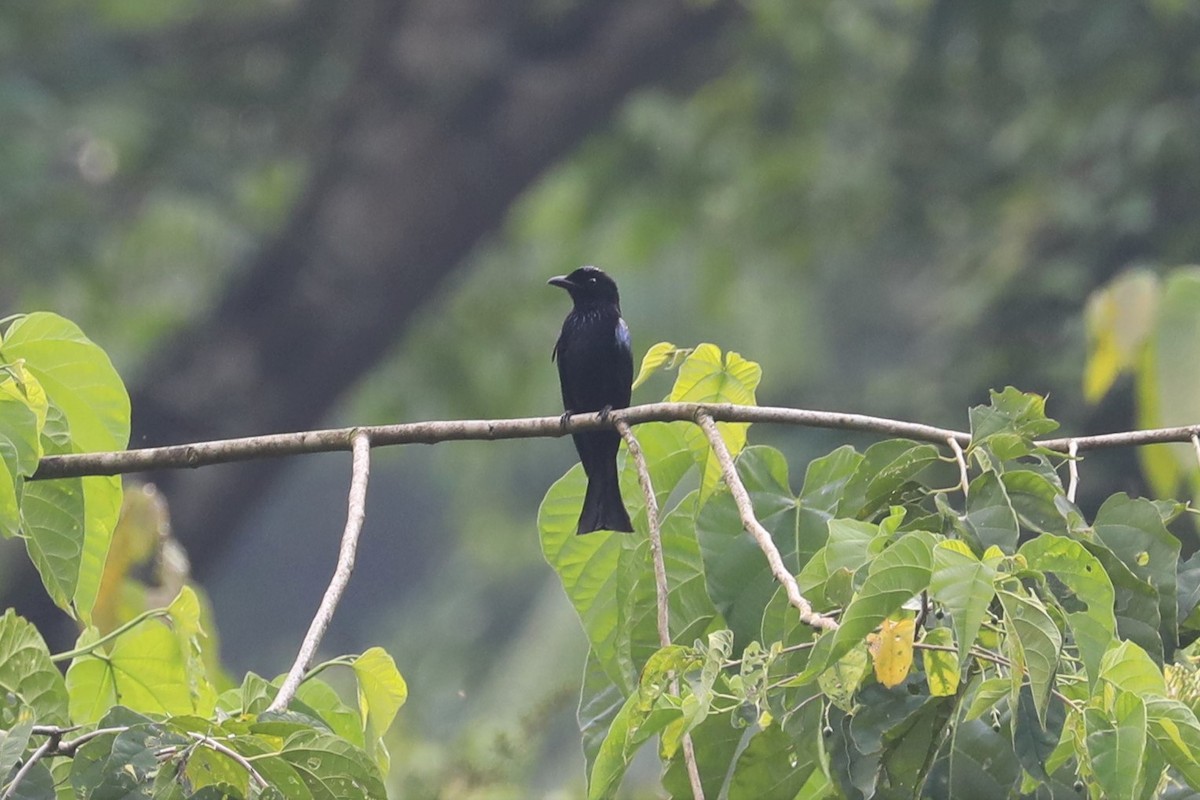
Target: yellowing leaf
(381,693)
(1120,318)
(892,649)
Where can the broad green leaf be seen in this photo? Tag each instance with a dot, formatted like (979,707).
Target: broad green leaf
(962,584)
(1137,604)
(1036,499)
(638,720)
(1176,733)
(1127,667)
(14,737)
(841,680)
(68,525)
(1116,745)
(381,693)
(885,468)
(1083,580)
(737,575)
(599,702)
(331,767)
(10,508)
(1034,643)
(1011,412)
(588,568)
(144,670)
(715,742)
(316,704)
(27,676)
(773,764)
(988,693)
(1120,317)
(941,667)
(825,479)
(1134,531)
(704,377)
(22,417)
(990,516)
(892,650)
(77,377)
(900,572)
(660,356)
(981,762)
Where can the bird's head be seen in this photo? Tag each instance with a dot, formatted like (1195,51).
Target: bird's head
(588,285)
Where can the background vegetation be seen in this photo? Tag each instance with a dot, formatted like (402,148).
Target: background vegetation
(276,215)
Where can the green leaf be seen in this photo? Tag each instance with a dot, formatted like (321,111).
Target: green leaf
(14,740)
(704,377)
(588,569)
(144,670)
(1011,412)
(68,525)
(1037,499)
(381,693)
(1134,531)
(77,377)
(988,693)
(773,764)
(1137,602)
(941,667)
(1116,744)
(737,575)
(28,678)
(962,584)
(1130,669)
(884,470)
(663,355)
(1083,580)
(990,515)
(639,719)
(331,767)
(1034,643)
(900,572)
(715,742)
(599,702)
(1176,733)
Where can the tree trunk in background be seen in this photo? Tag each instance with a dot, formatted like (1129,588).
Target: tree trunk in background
(457,107)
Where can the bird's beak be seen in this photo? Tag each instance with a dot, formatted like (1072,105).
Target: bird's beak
(561,281)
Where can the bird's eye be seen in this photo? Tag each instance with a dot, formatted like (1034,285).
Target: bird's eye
(592,279)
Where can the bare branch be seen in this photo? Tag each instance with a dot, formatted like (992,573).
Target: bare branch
(963,478)
(661,588)
(356,512)
(1072,469)
(322,441)
(34,758)
(753,527)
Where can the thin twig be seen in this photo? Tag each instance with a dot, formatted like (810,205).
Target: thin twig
(753,527)
(323,441)
(345,566)
(1196,446)
(1072,469)
(961,458)
(225,750)
(661,587)
(34,758)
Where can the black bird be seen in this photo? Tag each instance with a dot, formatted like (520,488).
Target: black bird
(595,369)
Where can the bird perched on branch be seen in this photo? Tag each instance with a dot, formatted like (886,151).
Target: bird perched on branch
(595,369)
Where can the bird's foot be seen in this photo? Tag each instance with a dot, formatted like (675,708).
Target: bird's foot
(604,412)
(564,419)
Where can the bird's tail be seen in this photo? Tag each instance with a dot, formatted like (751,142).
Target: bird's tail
(603,509)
